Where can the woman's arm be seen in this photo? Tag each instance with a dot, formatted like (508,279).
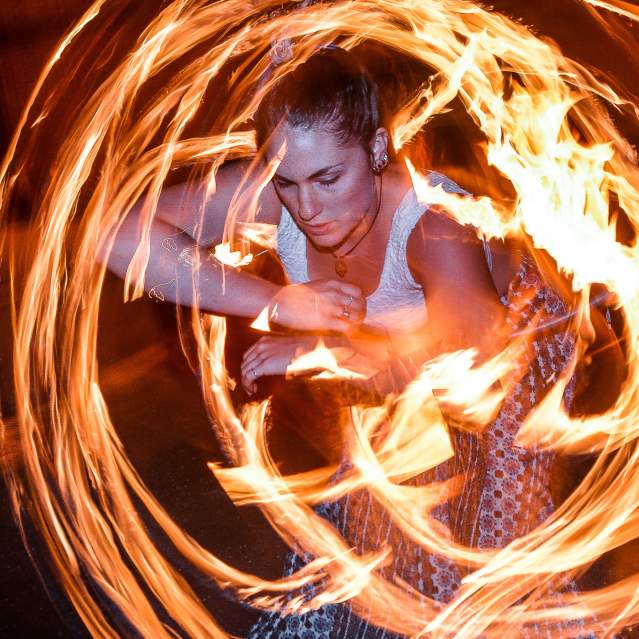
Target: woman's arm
(181,238)
(171,274)
(463,307)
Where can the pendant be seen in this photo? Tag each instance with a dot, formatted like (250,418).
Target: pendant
(340,267)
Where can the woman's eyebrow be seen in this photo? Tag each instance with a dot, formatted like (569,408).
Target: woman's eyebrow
(313,176)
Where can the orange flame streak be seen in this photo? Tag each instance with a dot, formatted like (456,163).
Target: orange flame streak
(625,9)
(563,185)
(243,208)
(91,13)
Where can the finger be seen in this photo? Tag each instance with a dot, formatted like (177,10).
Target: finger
(344,287)
(248,384)
(252,365)
(344,314)
(350,289)
(268,366)
(255,349)
(349,301)
(251,349)
(350,309)
(342,323)
(358,310)
(249,388)
(356,305)
(249,379)
(248,355)
(349,316)
(265,367)
(343,300)
(261,350)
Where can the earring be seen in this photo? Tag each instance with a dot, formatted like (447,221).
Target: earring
(379,165)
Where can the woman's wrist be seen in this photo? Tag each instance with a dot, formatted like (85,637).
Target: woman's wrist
(231,291)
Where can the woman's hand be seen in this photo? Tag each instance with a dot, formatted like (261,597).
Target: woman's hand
(320,305)
(273,355)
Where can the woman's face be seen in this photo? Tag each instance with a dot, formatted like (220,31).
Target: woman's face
(327,186)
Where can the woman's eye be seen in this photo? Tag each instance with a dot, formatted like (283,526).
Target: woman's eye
(329,181)
(281,184)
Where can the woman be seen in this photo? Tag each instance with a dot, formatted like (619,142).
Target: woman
(384,279)
(351,235)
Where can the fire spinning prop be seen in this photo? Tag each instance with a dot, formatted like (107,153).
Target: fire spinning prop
(546,128)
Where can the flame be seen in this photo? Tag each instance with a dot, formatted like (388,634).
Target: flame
(262,321)
(325,360)
(223,254)
(545,128)
(261,234)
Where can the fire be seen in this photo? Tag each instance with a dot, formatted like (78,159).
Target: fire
(225,255)
(544,127)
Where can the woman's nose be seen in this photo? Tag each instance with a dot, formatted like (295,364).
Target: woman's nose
(307,206)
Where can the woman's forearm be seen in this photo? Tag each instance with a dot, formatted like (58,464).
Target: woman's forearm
(182,272)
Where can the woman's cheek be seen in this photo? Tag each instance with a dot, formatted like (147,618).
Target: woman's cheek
(356,199)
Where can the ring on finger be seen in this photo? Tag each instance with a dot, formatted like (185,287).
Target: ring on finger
(346,311)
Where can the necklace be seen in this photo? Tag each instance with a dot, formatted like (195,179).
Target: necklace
(340,264)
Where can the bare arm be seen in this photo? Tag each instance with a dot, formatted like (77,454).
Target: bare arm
(181,237)
(463,309)
(463,306)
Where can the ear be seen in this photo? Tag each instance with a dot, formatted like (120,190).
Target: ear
(379,145)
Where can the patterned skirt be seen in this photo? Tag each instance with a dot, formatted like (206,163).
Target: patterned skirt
(506,490)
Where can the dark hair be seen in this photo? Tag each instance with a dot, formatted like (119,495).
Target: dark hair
(330,89)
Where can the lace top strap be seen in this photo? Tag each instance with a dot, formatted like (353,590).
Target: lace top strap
(395,271)
(291,248)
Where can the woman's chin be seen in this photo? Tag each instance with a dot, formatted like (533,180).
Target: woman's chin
(324,238)
(326,243)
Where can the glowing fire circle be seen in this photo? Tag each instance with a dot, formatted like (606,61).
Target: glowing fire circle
(546,129)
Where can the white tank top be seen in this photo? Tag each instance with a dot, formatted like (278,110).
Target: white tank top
(398,302)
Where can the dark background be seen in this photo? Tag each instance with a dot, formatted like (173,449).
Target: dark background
(153,396)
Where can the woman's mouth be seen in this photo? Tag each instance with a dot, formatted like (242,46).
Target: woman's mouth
(320,229)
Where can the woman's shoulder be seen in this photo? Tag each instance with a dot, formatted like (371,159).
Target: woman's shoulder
(421,223)
(438,239)
(437,230)
(436,224)
(440,244)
